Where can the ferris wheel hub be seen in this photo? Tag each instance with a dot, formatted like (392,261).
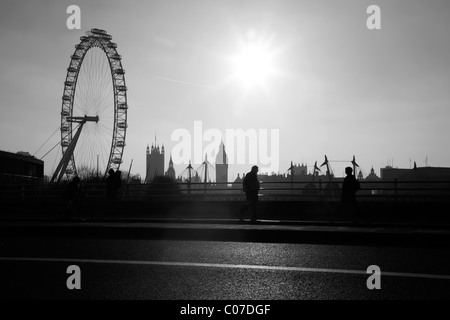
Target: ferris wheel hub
(83,119)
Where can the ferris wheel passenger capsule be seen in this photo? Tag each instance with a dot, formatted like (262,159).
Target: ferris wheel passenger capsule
(106,36)
(98,31)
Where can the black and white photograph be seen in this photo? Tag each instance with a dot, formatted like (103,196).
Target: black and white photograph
(225,157)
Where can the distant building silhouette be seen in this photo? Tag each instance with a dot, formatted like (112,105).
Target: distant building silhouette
(372,176)
(155,162)
(416,174)
(360,175)
(171,171)
(371,185)
(418,180)
(222,164)
(299,169)
(389,173)
(237,183)
(20,167)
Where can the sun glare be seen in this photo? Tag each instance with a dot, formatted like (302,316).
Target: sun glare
(253,65)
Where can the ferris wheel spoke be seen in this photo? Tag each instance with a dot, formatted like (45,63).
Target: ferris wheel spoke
(105,134)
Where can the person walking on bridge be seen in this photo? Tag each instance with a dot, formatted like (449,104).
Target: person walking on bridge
(250,186)
(348,198)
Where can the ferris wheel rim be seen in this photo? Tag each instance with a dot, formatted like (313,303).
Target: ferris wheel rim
(100,39)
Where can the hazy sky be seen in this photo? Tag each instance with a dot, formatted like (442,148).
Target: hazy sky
(336,87)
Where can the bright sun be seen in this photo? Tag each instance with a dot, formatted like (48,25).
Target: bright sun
(253,65)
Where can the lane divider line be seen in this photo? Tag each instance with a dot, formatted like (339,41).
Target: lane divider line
(225,266)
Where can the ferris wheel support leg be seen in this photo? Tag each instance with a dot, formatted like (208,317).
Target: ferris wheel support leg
(62,166)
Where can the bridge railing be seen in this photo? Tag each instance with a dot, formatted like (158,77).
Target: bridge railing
(270,191)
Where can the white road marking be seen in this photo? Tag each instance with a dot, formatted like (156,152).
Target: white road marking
(226,266)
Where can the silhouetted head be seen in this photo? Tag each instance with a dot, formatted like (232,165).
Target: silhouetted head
(111,171)
(76,180)
(255,169)
(348,170)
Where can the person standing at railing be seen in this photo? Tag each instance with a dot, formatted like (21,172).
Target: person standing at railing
(112,185)
(349,189)
(250,186)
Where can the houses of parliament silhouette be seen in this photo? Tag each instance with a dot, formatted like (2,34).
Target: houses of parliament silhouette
(155,160)
(155,164)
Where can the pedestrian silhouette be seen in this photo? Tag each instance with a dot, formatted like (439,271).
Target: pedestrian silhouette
(74,197)
(348,198)
(118,181)
(112,185)
(250,186)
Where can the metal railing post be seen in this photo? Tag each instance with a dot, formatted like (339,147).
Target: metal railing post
(395,190)
(320,190)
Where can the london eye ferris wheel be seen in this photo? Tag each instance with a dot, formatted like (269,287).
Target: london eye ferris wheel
(94,108)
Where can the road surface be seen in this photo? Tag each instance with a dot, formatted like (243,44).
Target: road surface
(37,268)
